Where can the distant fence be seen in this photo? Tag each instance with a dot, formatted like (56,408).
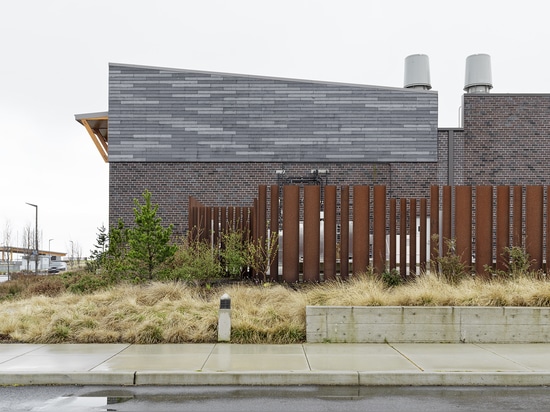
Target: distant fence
(327,232)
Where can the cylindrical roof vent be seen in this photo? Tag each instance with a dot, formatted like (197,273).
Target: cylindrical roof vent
(478,74)
(417,72)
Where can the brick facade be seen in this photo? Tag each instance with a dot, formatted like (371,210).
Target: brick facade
(504,140)
(223,184)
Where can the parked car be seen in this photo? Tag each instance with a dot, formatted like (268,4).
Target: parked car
(53,270)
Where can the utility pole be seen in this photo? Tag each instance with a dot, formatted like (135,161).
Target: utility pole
(35,238)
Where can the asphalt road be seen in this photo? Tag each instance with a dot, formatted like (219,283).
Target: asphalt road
(265,399)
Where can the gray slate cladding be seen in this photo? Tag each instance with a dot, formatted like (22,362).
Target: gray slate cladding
(171,115)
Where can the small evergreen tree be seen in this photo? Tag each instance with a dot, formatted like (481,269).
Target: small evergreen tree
(148,242)
(97,255)
(118,241)
(114,258)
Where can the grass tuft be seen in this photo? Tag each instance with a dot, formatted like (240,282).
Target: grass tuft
(175,312)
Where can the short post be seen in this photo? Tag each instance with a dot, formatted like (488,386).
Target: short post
(224,319)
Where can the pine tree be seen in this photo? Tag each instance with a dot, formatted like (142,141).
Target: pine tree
(115,257)
(97,255)
(149,242)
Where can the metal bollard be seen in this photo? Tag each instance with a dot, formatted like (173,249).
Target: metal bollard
(224,319)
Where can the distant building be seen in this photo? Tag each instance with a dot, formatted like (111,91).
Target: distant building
(16,259)
(217,136)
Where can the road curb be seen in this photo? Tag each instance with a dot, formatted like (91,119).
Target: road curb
(280,378)
(246,378)
(454,378)
(67,378)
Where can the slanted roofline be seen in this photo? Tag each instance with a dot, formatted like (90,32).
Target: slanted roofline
(253,76)
(96,123)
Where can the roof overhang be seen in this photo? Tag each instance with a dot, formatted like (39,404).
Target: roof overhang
(26,251)
(97,126)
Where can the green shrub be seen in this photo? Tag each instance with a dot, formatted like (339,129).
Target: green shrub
(261,253)
(46,286)
(451,268)
(519,259)
(518,264)
(194,260)
(85,282)
(233,253)
(392,278)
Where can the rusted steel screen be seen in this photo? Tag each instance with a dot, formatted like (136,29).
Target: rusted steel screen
(274,226)
(484,228)
(393,233)
(517,237)
(291,233)
(361,230)
(403,237)
(423,233)
(435,239)
(502,226)
(446,234)
(344,232)
(379,237)
(463,223)
(311,241)
(329,229)
(533,224)
(412,237)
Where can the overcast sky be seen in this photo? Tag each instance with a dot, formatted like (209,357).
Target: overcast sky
(54,63)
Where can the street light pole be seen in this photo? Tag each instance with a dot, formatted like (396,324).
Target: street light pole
(35,238)
(49,246)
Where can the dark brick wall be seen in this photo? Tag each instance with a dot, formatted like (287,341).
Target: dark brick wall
(222,184)
(506,140)
(181,133)
(171,184)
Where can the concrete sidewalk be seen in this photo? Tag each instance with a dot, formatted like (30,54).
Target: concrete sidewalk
(297,364)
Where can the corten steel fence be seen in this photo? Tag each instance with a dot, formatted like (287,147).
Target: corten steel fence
(334,232)
(210,223)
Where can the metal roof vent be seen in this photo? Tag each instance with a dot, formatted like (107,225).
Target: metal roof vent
(417,72)
(478,74)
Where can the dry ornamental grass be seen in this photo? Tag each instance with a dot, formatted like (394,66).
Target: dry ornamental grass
(174,312)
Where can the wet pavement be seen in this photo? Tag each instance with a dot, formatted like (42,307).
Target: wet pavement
(272,398)
(294,364)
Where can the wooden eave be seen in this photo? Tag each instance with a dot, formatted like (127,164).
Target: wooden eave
(97,126)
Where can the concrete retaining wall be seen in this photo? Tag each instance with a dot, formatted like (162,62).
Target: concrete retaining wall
(441,324)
